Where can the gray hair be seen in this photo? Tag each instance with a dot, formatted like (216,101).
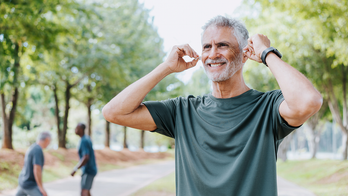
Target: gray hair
(43,135)
(239,29)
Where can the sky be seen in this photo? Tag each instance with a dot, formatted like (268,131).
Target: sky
(180,22)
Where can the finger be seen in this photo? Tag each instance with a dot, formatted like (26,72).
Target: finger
(192,63)
(181,51)
(250,42)
(189,51)
(195,54)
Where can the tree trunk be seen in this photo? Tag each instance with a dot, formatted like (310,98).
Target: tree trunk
(345,146)
(107,134)
(59,131)
(6,141)
(283,147)
(334,108)
(315,143)
(125,137)
(62,139)
(142,139)
(12,114)
(311,143)
(89,117)
(8,121)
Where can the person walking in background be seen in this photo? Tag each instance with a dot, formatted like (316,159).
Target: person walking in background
(30,178)
(87,161)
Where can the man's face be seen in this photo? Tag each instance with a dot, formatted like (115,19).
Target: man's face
(77,130)
(221,56)
(47,142)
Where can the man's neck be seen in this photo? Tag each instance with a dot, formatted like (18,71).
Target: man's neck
(230,88)
(40,144)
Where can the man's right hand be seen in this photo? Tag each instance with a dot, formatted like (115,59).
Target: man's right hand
(42,190)
(176,63)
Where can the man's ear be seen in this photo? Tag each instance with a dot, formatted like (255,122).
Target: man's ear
(245,57)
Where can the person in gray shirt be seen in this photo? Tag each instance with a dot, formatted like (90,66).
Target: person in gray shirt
(30,178)
(226,142)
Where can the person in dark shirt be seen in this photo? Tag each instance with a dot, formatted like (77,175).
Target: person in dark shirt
(87,161)
(226,142)
(30,178)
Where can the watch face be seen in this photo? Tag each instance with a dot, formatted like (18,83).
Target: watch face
(268,50)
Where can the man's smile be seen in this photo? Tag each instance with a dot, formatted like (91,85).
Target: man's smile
(216,64)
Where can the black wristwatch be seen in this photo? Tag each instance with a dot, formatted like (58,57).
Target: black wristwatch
(268,50)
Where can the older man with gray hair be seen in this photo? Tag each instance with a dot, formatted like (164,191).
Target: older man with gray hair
(226,141)
(30,178)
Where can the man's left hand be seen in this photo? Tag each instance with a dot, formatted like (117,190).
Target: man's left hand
(256,45)
(73,173)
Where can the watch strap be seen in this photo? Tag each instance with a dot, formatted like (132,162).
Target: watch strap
(268,50)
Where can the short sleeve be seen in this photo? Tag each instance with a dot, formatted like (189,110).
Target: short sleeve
(84,148)
(163,113)
(281,127)
(38,158)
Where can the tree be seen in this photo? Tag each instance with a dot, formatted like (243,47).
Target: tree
(135,48)
(60,68)
(326,22)
(316,127)
(23,24)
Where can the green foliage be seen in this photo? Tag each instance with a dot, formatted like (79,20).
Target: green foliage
(199,84)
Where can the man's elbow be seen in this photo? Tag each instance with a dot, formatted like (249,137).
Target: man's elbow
(106,112)
(109,114)
(313,103)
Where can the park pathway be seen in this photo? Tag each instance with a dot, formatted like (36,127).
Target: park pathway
(123,182)
(286,188)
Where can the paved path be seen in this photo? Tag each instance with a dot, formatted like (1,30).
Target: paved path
(286,188)
(123,182)
(120,182)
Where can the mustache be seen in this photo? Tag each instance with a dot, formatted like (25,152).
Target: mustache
(219,60)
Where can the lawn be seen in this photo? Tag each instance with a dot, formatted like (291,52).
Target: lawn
(322,177)
(161,187)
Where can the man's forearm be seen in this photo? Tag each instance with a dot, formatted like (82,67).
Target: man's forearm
(82,162)
(131,97)
(299,93)
(38,176)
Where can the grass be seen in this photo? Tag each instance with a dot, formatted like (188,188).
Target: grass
(322,177)
(161,187)
(9,175)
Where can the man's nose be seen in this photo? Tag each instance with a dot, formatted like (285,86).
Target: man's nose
(214,53)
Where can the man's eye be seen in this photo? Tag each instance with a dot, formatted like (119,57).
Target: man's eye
(206,46)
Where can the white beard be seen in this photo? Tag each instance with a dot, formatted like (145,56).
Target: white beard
(230,69)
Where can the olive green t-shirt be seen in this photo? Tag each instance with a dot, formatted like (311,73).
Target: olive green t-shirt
(223,147)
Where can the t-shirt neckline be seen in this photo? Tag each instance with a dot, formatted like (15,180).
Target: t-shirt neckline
(245,94)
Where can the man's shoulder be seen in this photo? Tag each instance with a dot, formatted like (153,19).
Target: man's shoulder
(35,148)
(273,93)
(86,139)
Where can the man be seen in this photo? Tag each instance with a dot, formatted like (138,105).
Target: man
(87,161)
(30,178)
(226,142)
